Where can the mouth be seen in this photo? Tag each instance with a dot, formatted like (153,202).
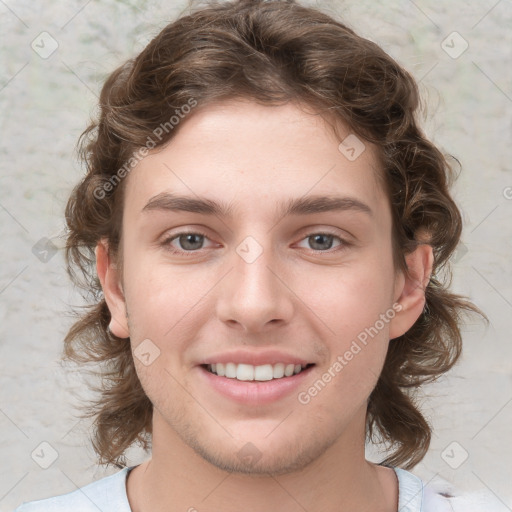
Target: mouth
(252,373)
(254,377)
(254,385)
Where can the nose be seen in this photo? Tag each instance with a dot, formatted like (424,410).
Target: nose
(255,295)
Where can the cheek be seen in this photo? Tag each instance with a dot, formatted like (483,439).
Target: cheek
(162,297)
(356,358)
(168,307)
(349,300)
(335,394)
(354,306)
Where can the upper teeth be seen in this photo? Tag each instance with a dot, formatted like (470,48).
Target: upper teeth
(250,372)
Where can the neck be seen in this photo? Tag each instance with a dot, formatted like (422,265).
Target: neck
(177,478)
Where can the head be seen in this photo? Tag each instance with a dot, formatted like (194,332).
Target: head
(255,106)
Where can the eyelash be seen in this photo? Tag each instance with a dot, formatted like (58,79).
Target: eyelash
(167,241)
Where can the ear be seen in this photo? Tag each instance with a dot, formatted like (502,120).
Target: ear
(410,290)
(112,289)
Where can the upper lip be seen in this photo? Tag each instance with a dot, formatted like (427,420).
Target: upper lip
(255,358)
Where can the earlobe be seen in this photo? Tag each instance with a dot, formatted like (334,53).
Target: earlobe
(112,289)
(411,290)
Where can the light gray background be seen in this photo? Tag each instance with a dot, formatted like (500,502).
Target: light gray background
(46,103)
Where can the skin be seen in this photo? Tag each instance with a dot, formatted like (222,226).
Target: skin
(304,299)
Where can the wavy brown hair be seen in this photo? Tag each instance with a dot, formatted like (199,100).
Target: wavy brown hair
(271,52)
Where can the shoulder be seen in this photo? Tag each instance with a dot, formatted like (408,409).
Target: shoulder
(438,495)
(108,493)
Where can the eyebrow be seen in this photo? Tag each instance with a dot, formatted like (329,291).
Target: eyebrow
(299,206)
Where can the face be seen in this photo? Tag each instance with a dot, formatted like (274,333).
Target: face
(255,289)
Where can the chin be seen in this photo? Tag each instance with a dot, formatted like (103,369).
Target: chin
(251,461)
(263,456)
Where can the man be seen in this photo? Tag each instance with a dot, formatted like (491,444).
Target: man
(265,220)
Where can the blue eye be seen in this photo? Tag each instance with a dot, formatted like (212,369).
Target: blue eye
(322,239)
(191,242)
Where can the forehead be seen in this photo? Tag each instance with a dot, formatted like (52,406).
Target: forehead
(246,156)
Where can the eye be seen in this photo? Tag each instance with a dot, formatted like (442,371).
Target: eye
(192,242)
(323,241)
(189,241)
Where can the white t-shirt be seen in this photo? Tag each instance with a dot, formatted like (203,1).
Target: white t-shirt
(109,495)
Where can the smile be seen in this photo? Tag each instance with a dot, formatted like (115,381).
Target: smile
(249,372)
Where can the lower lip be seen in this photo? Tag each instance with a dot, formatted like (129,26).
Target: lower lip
(255,392)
